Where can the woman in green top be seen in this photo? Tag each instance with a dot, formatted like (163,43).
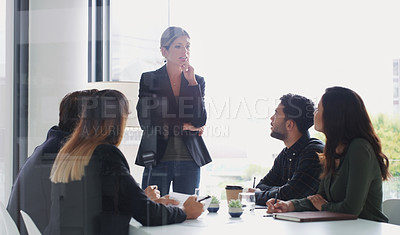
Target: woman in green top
(353,162)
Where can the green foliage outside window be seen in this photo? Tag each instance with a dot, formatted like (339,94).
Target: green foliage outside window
(388,130)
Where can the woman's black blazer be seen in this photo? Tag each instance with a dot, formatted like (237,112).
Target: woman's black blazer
(161,115)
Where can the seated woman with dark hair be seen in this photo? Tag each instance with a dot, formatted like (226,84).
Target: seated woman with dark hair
(93,191)
(353,162)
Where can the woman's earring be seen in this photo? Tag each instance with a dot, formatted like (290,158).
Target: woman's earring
(165,60)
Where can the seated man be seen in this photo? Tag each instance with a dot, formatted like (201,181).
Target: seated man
(296,170)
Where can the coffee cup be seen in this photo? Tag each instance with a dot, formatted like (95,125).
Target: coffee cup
(232,192)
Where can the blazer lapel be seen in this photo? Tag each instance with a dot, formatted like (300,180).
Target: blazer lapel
(165,85)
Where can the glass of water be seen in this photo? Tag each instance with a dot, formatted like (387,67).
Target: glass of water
(248,201)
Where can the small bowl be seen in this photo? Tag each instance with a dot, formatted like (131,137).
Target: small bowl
(235,214)
(213,209)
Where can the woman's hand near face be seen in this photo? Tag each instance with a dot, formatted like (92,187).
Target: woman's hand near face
(188,72)
(317,200)
(279,206)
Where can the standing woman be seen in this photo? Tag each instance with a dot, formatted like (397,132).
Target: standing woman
(172,114)
(353,162)
(93,191)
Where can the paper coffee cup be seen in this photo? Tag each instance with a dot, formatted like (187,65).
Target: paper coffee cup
(232,192)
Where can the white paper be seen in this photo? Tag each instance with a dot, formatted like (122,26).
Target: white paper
(181,198)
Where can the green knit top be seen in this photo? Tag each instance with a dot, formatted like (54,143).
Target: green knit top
(355,187)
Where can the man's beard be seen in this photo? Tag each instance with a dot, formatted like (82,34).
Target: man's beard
(278,135)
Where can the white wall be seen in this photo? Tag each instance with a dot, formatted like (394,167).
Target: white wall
(6,52)
(57,65)
(57,60)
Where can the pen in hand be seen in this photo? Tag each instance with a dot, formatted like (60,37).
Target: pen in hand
(254,182)
(207,197)
(276,196)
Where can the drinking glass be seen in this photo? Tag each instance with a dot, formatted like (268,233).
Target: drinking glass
(248,201)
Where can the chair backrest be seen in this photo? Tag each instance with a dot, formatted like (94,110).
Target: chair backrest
(29,224)
(7,225)
(391,208)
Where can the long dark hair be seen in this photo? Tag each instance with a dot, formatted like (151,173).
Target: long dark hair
(102,121)
(344,119)
(71,107)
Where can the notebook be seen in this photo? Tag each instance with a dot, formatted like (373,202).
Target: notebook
(261,207)
(309,216)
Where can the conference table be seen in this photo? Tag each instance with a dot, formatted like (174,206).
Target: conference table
(255,222)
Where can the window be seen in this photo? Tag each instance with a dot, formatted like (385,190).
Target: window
(135,31)
(255,52)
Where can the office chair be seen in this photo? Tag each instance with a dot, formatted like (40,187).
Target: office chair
(7,225)
(391,208)
(29,224)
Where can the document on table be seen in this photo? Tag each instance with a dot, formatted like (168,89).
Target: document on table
(181,198)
